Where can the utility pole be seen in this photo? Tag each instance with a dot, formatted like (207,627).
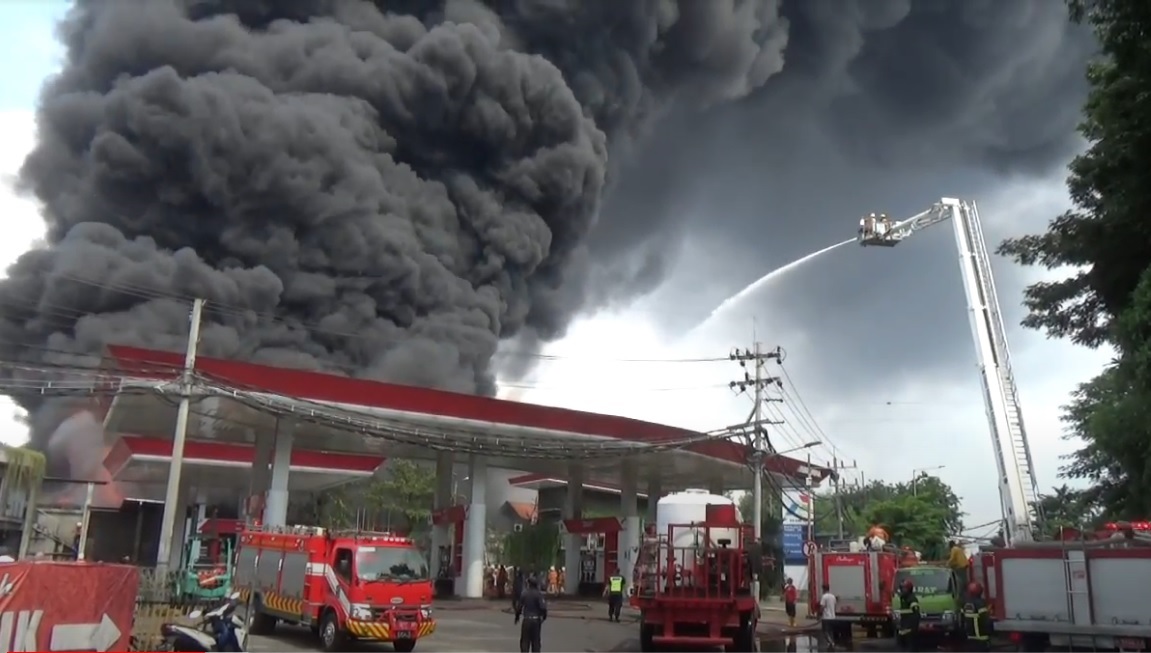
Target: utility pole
(758,381)
(837,466)
(172,496)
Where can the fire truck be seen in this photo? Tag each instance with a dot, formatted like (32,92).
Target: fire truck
(863,580)
(693,579)
(353,585)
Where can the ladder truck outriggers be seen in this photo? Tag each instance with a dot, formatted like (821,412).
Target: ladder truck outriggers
(1062,593)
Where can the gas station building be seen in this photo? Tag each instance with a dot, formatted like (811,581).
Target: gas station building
(304,431)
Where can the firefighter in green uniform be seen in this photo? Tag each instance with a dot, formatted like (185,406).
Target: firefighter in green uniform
(614,592)
(976,619)
(908,615)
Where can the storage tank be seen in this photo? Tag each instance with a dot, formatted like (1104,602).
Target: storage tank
(690,507)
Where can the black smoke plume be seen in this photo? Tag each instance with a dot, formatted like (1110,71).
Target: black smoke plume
(386,189)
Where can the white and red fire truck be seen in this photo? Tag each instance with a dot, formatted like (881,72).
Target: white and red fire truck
(345,585)
(863,582)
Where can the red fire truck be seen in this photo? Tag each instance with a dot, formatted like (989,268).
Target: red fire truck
(345,585)
(862,582)
(694,584)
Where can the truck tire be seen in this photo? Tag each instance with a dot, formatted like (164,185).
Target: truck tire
(646,636)
(404,645)
(744,640)
(332,636)
(259,622)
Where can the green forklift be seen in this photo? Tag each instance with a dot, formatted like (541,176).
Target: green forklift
(208,562)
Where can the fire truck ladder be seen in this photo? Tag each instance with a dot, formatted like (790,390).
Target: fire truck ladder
(1018,486)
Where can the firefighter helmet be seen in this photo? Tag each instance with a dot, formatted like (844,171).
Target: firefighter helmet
(908,585)
(974,589)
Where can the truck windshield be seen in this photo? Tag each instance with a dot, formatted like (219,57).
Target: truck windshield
(396,564)
(928,582)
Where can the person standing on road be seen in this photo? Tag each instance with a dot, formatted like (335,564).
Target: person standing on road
(517,587)
(908,614)
(790,597)
(532,609)
(976,620)
(827,616)
(614,593)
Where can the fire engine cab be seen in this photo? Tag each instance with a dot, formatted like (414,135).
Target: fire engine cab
(344,584)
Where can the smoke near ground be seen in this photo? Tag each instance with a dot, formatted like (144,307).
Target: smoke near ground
(393,193)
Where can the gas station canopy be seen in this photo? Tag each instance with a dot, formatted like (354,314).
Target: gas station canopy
(364,420)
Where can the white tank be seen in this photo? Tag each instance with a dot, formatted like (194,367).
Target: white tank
(690,507)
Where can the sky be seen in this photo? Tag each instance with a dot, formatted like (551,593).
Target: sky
(706,199)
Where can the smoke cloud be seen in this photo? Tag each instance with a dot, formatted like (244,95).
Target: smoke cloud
(381,189)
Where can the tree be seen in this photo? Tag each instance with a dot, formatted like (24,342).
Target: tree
(1065,507)
(400,501)
(1106,237)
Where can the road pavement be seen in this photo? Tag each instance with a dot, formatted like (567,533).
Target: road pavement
(573,626)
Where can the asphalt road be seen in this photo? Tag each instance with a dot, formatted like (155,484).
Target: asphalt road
(481,630)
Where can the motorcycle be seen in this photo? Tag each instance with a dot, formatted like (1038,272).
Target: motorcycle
(216,630)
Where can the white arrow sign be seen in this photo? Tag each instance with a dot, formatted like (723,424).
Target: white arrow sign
(85,637)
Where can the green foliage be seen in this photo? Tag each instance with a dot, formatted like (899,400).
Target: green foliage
(400,501)
(938,517)
(536,547)
(1107,238)
(26,468)
(1067,508)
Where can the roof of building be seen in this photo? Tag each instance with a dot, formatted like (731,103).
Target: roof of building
(446,420)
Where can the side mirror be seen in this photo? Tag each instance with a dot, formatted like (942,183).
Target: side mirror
(195,614)
(234,595)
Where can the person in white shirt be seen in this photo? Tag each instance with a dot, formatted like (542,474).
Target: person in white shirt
(827,616)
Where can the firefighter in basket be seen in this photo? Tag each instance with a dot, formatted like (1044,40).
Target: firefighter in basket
(976,619)
(907,617)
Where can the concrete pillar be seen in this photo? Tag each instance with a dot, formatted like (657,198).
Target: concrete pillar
(654,492)
(263,443)
(441,534)
(573,509)
(475,530)
(629,537)
(276,509)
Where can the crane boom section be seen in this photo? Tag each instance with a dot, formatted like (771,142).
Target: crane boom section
(1018,486)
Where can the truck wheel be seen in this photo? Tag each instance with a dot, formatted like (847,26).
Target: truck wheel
(404,645)
(744,640)
(259,622)
(332,637)
(646,635)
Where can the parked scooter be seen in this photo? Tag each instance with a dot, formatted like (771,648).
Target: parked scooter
(216,630)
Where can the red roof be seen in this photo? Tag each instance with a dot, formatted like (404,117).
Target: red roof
(317,386)
(523,510)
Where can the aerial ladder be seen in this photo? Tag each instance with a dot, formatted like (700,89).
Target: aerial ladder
(1018,487)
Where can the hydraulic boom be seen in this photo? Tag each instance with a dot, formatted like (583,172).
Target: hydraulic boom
(1018,487)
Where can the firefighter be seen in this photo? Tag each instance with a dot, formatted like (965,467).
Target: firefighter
(790,598)
(532,609)
(908,612)
(957,562)
(976,619)
(614,593)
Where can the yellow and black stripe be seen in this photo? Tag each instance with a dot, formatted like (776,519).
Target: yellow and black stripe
(375,630)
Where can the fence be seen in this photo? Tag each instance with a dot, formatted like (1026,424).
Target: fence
(161,598)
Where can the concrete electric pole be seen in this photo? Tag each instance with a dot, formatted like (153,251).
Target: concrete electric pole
(838,466)
(172,496)
(757,380)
